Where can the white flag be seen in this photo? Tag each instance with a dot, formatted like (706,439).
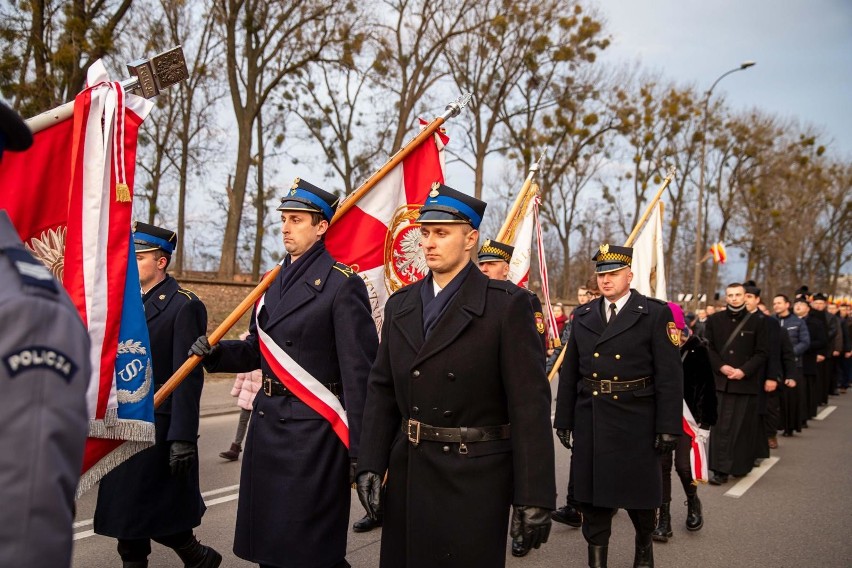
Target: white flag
(649,272)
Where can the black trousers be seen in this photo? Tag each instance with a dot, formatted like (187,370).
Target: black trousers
(138,549)
(682,467)
(597,523)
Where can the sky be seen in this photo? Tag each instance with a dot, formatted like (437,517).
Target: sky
(803,50)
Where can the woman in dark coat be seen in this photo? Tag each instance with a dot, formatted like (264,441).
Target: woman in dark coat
(699,393)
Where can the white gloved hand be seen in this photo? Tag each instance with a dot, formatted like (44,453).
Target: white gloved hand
(703,435)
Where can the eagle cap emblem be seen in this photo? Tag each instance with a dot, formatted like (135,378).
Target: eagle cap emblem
(434,192)
(487,243)
(604,248)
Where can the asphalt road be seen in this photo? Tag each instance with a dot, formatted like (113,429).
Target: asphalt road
(795,515)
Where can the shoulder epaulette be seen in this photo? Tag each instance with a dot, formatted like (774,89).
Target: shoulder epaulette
(343,269)
(663,302)
(504,285)
(188,293)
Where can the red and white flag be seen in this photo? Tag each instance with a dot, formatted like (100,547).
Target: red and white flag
(519,268)
(698,449)
(378,237)
(70,198)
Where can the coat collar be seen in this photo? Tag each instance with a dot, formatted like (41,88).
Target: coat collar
(469,303)
(591,316)
(160,297)
(301,293)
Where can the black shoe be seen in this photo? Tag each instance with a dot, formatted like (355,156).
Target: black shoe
(232,454)
(664,524)
(644,555)
(366,524)
(196,555)
(718,478)
(518,548)
(597,556)
(694,515)
(567,515)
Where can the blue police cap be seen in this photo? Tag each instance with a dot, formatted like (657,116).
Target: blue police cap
(149,237)
(447,205)
(304,196)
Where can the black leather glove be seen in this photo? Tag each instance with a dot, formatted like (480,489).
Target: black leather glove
(202,347)
(665,443)
(564,437)
(353,467)
(532,524)
(369,487)
(182,456)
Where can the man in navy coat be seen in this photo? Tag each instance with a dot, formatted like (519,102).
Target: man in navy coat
(314,338)
(155,494)
(457,409)
(619,405)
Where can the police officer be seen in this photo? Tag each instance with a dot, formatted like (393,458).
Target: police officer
(155,494)
(620,401)
(318,337)
(463,374)
(44,374)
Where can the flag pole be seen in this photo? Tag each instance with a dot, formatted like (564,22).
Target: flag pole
(519,207)
(452,109)
(629,242)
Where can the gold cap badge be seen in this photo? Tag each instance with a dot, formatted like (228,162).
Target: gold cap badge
(604,248)
(434,192)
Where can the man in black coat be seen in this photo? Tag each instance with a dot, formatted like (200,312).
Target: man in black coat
(155,494)
(813,357)
(739,348)
(314,338)
(620,402)
(457,408)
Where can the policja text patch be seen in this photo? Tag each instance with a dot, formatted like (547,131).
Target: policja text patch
(39,357)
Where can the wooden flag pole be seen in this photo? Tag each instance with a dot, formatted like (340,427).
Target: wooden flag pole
(629,242)
(519,207)
(453,109)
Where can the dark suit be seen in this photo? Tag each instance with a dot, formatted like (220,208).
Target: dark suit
(294,487)
(481,365)
(140,498)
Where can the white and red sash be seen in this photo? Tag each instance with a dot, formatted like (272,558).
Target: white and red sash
(697,450)
(304,385)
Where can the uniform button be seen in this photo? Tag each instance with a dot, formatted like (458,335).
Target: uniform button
(731,351)
(597,354)
(448,413)
(595,393)
(260,413)
(594,374)
(415,410)
(615,378)
(618,356)
(288,343)
(446,449)
(451,376)
(615,397)
(415,373)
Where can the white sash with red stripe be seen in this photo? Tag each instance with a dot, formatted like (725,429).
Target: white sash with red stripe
(304,385)
(698,450)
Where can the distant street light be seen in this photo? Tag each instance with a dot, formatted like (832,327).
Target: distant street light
(699,249)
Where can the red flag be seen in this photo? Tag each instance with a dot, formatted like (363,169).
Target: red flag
(378,237)
(70,200)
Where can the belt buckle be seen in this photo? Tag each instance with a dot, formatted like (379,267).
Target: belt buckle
(267,386)
(606,387)
(415,438)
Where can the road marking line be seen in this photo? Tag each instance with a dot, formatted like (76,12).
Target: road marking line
(825,412)
(87,522)
(745,483)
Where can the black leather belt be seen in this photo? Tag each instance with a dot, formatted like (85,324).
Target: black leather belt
(274,387)
(608,386)
(418,432)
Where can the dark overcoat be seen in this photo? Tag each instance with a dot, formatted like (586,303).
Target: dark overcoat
(699,387)
(294,487)
(140,498)
(613,462)
(481,365)
(748,351)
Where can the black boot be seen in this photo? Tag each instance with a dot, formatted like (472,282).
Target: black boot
(518,548)
(196,555)
(664,523)
(694,516)
(644,556)
(567,515)
(366,524)
(597,556)
(233,454)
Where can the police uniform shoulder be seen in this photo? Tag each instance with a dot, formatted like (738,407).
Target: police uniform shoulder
(343,269)
(188,293)
(657,301)
(503,285)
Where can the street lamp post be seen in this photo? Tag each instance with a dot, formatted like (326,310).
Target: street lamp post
(699,249)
